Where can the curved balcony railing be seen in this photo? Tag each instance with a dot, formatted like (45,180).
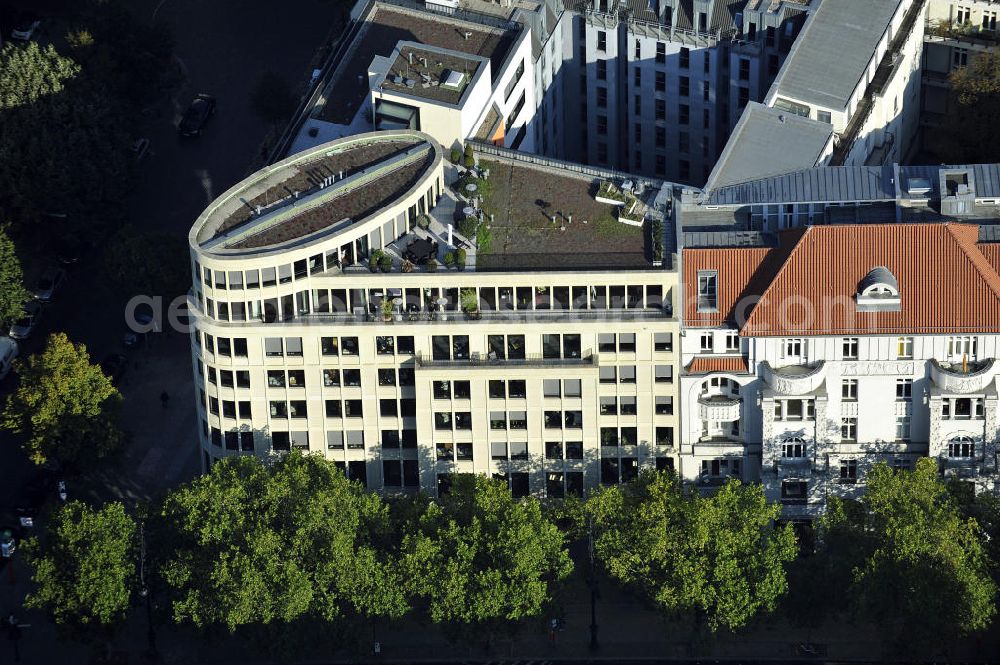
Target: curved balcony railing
(794,379)
(951,379)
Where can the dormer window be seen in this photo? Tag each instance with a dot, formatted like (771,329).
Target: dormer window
(879,292)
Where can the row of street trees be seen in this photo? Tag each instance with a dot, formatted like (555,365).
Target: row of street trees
(271,545)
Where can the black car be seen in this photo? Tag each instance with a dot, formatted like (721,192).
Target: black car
(196,115)
(114,366)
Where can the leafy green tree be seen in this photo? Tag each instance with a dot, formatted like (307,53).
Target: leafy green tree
(479,560)
(272,98)
(718,556)
(78,170)
(12,291)
(147,263)
(270,544)
(975,89)
(919,566)
(84,566)
(65,407)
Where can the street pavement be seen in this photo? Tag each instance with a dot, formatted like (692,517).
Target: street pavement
(222,48)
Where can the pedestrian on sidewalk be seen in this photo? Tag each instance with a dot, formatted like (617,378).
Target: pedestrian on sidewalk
(164,399)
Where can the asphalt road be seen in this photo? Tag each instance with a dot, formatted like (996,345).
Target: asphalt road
(222,47)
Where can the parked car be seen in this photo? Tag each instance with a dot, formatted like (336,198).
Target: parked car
(49,283)
(25,26)
(8,351)
(26,325)
(114,366)
(196,115)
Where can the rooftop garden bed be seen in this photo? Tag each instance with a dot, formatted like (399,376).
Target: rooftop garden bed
(542,219)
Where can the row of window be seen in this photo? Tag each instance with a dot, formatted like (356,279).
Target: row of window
(522,298)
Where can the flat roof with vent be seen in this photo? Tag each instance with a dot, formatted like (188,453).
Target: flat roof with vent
(387,25)
(429,73)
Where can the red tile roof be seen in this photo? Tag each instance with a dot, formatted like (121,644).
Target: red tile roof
(710,364)
(947,282)
(736,268)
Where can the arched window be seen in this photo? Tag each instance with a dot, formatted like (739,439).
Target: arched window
(962,446)
(793,447)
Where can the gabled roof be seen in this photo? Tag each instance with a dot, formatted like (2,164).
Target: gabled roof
(712,364)
(946,283)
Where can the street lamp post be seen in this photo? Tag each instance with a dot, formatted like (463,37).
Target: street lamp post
(145,592)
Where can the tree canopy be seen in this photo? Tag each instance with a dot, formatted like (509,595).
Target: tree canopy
(975,89)
(65,407)
(84,566)
(479,558)
(75,169)
(920,569)
(12,291)
(718,556)
(259,543)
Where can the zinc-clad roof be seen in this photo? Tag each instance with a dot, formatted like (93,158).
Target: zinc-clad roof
(768,142)
(829,57)
(946,283)
(814,185)
(724,364)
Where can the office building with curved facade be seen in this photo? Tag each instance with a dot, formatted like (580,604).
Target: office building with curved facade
(329,319)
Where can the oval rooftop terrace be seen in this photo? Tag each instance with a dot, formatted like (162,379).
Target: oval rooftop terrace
(316,193)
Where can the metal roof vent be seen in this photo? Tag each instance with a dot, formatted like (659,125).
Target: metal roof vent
(879,292)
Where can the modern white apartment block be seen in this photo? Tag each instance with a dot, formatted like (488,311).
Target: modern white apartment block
(834,318)
(560,375)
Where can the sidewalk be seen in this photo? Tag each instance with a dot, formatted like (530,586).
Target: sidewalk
(628,631)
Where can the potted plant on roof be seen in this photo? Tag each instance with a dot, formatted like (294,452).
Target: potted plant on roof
(387,310)
(470,303)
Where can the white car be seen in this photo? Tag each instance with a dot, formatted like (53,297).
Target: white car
(49,283)
(26,325)
(25,27)
(8,351)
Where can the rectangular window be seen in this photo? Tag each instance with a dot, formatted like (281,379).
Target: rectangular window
(602,40)
(792,347)
(661,53)
(706,342)
(685,57)
(744,69)
(707,291)
(849,429)
(904,347)
(849,390)
(848,471)
(962,447)
(902,428)
(850,347)
(663,342)
(904,389)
